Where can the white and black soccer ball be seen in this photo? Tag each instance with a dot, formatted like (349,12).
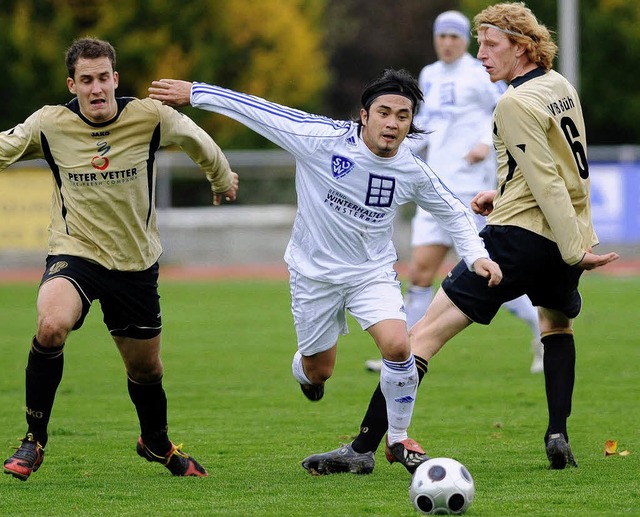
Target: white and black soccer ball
(442,486)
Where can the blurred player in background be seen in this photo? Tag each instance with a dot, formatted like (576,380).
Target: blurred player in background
(103,240)
(456,113)
(351,178)
(539,226)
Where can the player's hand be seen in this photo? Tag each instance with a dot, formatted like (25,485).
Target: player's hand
(488,269)
(171,92)
(229,195)
(592,261)
(482,203)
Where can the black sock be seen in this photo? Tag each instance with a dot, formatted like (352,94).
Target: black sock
(375,423)
(43,375)
(151,405)
(559,378)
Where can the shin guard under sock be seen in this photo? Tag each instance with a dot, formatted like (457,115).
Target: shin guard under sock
(375,423)
(559,377)
(399,385)
(150,402)
(42,378)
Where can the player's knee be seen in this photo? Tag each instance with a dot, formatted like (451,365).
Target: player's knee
(422,277)
(51,332)
(146,371)
(145,377)
(317,371)
(423,270)
(319,375)
(554,322)
(396,350)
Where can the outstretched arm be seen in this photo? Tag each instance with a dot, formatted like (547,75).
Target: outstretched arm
(172,92)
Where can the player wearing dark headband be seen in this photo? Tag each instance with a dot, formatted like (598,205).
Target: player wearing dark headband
(351,179)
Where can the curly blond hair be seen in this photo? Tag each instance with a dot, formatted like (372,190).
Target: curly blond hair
(521,26)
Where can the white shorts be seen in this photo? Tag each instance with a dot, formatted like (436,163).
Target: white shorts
(426,231)
(319,308)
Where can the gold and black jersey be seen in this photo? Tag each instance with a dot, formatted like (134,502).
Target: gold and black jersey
(104,175)
(543,172)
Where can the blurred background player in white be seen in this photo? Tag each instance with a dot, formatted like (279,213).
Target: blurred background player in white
(351,178)
(459,98)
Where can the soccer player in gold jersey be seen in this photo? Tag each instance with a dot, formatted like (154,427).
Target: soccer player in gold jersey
(539,227)
(103,240)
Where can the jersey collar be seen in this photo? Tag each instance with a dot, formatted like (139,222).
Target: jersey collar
(536,72)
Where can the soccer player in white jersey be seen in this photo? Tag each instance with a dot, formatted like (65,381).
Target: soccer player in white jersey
(103,240)
(351,178)
(539,226)
(456,113)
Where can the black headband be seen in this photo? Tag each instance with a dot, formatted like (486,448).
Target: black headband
(368,101)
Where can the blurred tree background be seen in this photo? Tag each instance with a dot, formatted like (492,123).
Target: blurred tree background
(315,55)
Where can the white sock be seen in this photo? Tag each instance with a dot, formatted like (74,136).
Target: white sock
(298,370)
(416,303)
(523,308)
(399,385)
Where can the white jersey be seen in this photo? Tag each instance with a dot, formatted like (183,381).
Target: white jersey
(347,196)
(459,99)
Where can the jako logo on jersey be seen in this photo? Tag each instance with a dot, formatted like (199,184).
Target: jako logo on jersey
(57,267)
(341,166)
(100,162)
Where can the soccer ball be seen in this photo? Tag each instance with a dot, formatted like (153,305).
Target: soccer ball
(442,486)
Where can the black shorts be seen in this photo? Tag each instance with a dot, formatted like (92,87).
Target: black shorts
(531,265)
(129,299)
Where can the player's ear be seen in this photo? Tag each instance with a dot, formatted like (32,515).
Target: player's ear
(116,79)
(363,116)
(71,84)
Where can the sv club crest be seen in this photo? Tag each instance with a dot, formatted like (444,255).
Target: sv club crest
(341,166)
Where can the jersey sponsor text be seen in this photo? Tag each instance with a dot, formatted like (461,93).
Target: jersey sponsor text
(341,204)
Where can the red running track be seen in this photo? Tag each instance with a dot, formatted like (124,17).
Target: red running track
(622,267)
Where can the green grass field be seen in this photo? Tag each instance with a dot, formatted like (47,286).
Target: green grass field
(227,349)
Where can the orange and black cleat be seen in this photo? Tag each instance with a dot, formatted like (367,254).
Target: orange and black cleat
(179,463)
(27,458)
(408,452)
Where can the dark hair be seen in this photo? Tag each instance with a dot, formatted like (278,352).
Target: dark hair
(394,82)
(88,48)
